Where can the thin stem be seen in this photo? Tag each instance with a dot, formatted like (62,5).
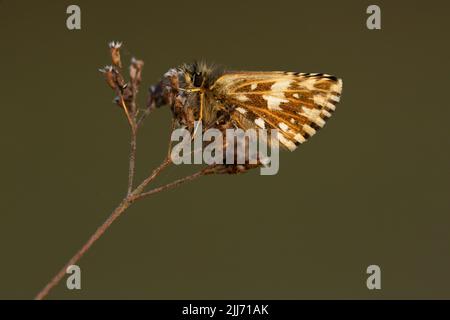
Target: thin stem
(125,109)
(134,196)
(139,189)
(169,149)
(132,162)
(97,234)
(170,185)
(144,115)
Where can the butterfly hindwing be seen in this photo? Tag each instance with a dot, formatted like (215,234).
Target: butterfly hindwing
(298,104)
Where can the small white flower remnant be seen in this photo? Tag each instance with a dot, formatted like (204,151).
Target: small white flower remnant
(115,44)
(106,69)
(114,47)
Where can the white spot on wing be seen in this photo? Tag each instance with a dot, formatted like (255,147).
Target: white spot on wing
(326,113)
(295,95)
(260,123)
(283,126)
(330,106)
(288,143)
(319,121)
(299,138)
(273,102)
(253,86)
(313,115)
(320,100)
(309,130)
(241,110)
(280,86)
(242,97)
(308,83)
(310,113)
(335,98)
(337,86)
(276,95)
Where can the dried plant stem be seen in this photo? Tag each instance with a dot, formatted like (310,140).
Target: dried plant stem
(126,202)
(132,161)
(144,115)
(97,234)
(125,109)
(173,184)
(169,149)
(139,189)
(115,81)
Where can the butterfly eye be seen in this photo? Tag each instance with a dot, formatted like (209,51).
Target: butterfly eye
(197,79)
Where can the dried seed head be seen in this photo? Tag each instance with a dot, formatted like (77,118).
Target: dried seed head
(136,70)
(114,47)
(119,80)
(108,71)
(137,62)
(113,78)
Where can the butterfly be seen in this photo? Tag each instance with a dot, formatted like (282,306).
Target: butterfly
(297,104)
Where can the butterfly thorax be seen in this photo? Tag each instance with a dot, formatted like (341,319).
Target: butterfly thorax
(181,88)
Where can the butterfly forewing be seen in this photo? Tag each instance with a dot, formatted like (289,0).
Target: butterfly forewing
(298,104)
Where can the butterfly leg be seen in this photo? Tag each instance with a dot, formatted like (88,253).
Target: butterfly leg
(200,117)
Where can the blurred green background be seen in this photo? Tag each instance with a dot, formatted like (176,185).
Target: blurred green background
(371,188)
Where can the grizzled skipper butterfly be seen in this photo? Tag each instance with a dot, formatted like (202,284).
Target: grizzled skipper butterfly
(297,104)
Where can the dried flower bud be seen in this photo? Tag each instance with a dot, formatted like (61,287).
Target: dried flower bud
(119,80)
(113,78)
(109,75)
(114,47)
(136,70)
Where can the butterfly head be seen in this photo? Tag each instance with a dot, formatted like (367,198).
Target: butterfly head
(198,75)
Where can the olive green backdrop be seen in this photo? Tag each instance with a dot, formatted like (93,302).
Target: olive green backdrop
(371,188)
